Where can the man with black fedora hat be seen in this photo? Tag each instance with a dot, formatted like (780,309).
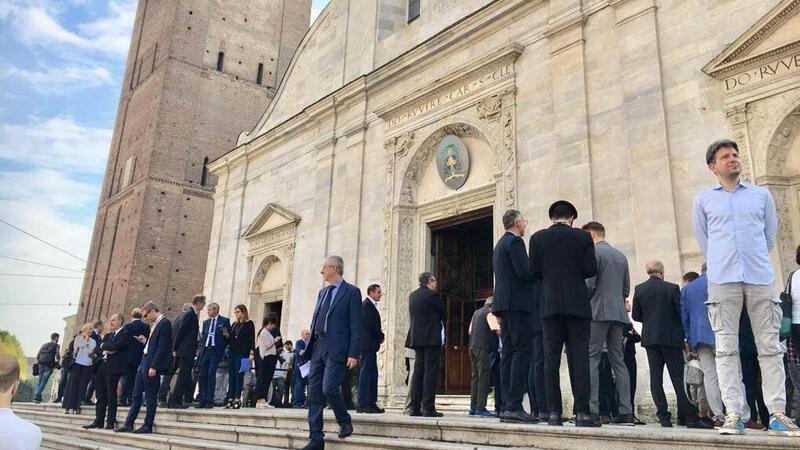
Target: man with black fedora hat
(563,257)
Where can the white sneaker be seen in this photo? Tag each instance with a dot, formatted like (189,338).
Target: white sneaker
(733,424)
(780,425)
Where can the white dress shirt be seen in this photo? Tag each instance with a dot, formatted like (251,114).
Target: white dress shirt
(18,434)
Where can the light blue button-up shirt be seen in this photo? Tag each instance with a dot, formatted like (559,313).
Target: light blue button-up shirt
(736,230)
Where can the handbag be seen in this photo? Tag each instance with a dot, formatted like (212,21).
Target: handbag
(244,366)
(786,307)
(35,369)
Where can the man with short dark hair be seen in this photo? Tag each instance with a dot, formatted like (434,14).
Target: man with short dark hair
(736,227)
(482,342)
(564,258)
(155,362)
(516,304)
(688,277)
(425,337)
(334,348)
(371,339)
(608,291)
(184,350)
(47,358)
(657,305)
(15,433)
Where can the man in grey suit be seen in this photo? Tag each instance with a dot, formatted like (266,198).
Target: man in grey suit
(608,290)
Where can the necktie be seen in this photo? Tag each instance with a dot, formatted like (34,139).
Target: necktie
(322,314)
(212,328)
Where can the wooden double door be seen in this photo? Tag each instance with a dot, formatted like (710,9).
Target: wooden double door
(462,256)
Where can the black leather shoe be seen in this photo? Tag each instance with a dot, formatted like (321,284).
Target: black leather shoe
(544,417)
(93,425)
(124,429)
(143,430)
(624,419)
(412,413)
(110,426)
(555,420)
(665,423)
(517,417)
(433,413)
(699,424)
(587,420)
(313,445)
(346,429)
(199,405)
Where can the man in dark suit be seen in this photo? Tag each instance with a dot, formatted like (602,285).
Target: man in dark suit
(425,337)
(136,327)
(563,257)
(155,362)
(216,330)
(334,348)
(515,303)
(184,349)
(657,304)
(113,363)
(371,340)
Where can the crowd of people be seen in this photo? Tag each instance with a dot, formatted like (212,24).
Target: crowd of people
(568,292)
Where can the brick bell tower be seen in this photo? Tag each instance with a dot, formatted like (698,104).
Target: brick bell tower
(199,72)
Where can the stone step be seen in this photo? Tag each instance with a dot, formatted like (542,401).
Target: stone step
(52,441)
(279,426)
(183,435)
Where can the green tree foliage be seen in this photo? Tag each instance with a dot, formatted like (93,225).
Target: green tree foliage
(9,345)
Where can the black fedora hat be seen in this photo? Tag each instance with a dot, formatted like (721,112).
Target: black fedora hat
(563,203)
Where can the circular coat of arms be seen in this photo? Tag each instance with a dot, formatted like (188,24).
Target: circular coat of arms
(452,161)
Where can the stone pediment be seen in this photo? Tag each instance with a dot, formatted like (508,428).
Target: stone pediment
(271,218)
(768,48)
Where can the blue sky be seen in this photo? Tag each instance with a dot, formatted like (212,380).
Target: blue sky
(61,66)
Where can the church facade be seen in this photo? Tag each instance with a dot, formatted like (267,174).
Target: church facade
(398,137)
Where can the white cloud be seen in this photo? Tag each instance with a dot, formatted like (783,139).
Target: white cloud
(60,80)
(109,34)
(57,143)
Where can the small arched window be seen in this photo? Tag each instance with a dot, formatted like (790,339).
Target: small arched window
(204,176)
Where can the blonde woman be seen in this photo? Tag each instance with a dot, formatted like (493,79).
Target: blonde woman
(81,370)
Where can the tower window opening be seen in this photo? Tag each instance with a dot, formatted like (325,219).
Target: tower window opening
(260,73)
(413,10)
(220,60)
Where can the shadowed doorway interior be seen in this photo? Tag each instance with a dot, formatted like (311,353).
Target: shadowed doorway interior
(461,248)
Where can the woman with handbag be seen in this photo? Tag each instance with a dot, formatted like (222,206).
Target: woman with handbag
(81,370)
(240,349)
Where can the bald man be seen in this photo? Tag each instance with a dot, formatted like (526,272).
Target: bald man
(657,305)
(15,433)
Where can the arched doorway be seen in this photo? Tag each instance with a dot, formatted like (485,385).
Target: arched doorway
(267,293)
(782,178)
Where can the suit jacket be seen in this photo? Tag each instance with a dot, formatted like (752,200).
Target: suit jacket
(345,320)
(120,345)
(563,257)
(515,287)
(220,341)
(427,314)
(657,305)
(611,286)
(186,335)
(371,335)
(159,348)
(132,329)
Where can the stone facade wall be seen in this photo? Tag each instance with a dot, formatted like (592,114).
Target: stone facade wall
(604,103)
(176,113)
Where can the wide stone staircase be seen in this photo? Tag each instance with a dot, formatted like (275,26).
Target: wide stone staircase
(246,429)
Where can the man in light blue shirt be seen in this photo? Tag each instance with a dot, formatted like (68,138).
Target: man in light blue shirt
(736,227)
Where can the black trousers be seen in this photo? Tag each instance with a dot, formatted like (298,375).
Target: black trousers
(128,381)
(630,363)
(657,357)
(425,380)
(105,384)
(516,332)
(536,391)
(183,383)
(264,373)
(607,391)
(163,388)
(751,377)
(76,386)
(574,332)
(496,382)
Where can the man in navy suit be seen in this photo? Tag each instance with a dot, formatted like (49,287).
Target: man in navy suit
(136,327)
(155,362)
(216,330)
(184,350)
(334,348)
(371,340)
(112,364)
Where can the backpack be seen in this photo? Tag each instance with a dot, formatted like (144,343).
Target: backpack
(47,354)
